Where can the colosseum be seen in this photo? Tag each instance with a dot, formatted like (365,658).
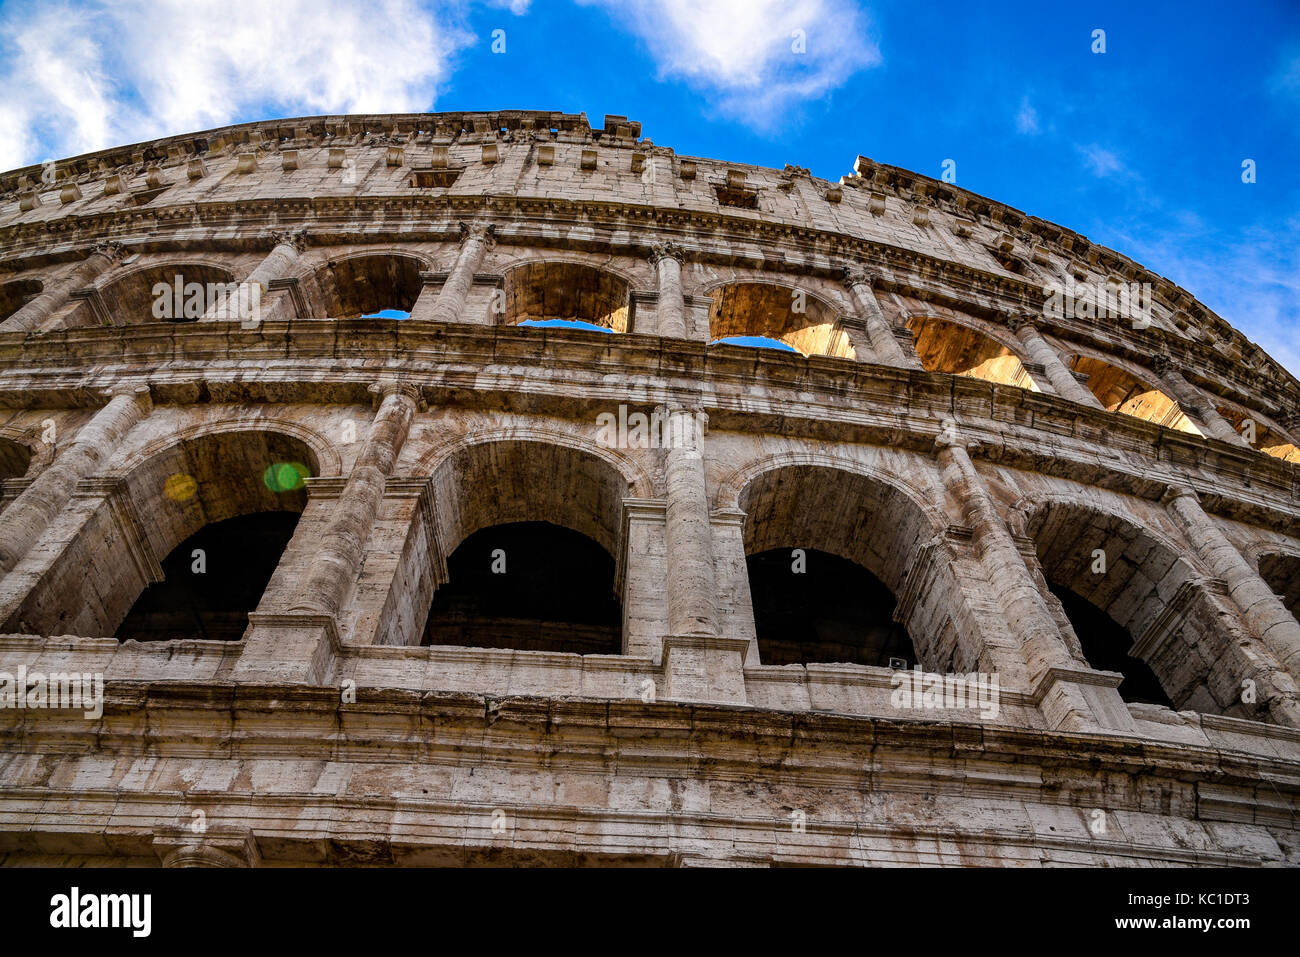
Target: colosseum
(991,556)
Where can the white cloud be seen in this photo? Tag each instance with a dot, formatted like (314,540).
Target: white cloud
(182,65)
(1027,118)
(757,57)
(1102,162)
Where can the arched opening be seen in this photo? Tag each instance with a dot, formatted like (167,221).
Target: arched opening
(764,314)
(835,600)
(812,606)
(1106,644)
(1259,435)
(14,459)
(172,292)
(1141,609)
(1282,572)
(163,506)
(530,530)
(530,586)
(952,348)
(562,294)
(211,581)
(378,286)
(16,294)
(1120,391)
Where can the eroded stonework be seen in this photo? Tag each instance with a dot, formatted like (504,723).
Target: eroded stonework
(931,421)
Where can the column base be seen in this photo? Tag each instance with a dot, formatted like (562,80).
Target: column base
(705,669)
(1080,699)
(288,649)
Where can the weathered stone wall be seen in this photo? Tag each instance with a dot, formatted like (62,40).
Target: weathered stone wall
(932,425)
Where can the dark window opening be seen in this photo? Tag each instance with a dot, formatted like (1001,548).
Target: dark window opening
(528,586)
(434,178)
(833,611)
(239,557)
(738,197)
(1106,644)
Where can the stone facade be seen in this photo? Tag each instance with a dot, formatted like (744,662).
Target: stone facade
(938,424)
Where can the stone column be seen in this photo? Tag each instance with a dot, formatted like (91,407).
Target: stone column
(1193,402)
(335,563)
(1072,695)
(699,664)
(102,258)
(1061,378)
(277,264)
(91,447)
(1262,609)
(691,587)
(885,347)
(670,314)
(477,240)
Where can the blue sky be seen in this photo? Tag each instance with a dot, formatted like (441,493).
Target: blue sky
(1140,147)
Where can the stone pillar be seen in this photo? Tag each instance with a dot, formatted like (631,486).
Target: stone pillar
(1260,606)
(885,347)
(1058,374)
(1072,695)
(102,258)
(277,264)
(699,664)
(40,502)
(670,314)
(476,241)
(338,558)
(1193,402)
(296,640)
(428,297)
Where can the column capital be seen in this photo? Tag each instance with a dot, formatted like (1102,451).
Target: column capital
(667,250)
(483,232)
(297,238)
(114,251)
(133,390)
(1016,321)
(1164,365)
(1176,490)
(852,275)
(950,437)
(386,387)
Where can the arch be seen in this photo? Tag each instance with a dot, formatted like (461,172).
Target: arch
(1268,438)
(537,501)
(1103,566)
(565,291)
(365,283)
(1281,570)
(480,482)
(16,293)
(160,502)
(959,349)
(750,309)
(639,482)
(323,458)
(866,520)
(135,296)
(1119,390)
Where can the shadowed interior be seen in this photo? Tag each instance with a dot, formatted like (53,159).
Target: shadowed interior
(530,586)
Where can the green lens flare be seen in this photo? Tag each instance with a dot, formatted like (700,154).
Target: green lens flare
(285,476)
